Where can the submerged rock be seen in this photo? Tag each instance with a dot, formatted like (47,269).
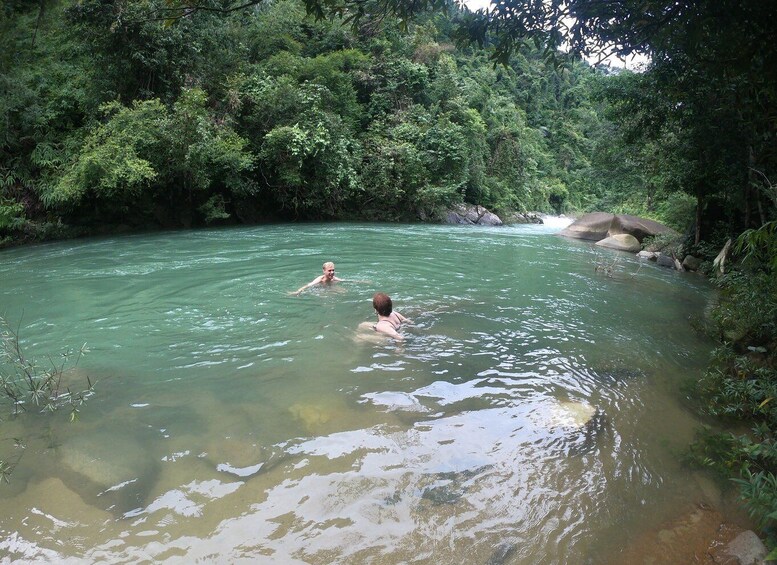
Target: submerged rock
(55,499)
(502,554)
(325,415)
(311,415)
(453,489)
(444,494)
(698,535)
(618,373)
(114,467)
(106,461)
(595,430)
(587,426)
(573,414)
(51,511)
(235,453)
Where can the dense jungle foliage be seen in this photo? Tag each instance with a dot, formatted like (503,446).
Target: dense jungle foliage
(113,119)
(133,114)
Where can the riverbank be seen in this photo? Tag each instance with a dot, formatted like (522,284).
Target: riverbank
(700,536)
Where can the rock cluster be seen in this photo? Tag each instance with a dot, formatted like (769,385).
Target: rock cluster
(621,232)
(471,214)
(626,233)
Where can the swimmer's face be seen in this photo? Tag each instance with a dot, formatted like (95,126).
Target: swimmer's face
(329,272)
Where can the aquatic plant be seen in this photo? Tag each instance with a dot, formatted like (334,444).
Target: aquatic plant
(610,265)
(25,384)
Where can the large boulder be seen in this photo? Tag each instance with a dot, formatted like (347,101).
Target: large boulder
(594,226)
(106,461)
(692,263)
(746,549)
(113,465)
(471,214)
(600,225)
(621,242)
(639,227)
(665,261)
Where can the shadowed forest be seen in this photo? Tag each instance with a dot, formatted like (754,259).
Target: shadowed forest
(115,120)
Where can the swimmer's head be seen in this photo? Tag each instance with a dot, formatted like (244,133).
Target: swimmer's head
(329,269)
(382,304)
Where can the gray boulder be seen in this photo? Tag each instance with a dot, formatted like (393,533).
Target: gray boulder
(665,261)
(691,263)
(599,225)
(621,242)
(593,227)
(471,214)
(115,466)
(640,227)
(746,549)
(648,255)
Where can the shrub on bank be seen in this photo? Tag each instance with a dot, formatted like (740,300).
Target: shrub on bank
(740,384)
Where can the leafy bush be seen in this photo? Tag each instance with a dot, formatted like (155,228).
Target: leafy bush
(667,243)
(127,162)
(741,382)
(676,211)
(114,163)
(11,215)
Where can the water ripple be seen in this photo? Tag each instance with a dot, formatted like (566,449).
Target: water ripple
(528,416)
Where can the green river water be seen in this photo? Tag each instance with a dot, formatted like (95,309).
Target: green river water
(532,415)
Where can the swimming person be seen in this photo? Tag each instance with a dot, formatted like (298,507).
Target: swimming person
(388,321)
(325,279)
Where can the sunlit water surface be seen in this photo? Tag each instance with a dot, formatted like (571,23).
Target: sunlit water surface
(533,414)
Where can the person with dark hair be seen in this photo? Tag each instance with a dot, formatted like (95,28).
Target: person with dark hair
(388,321)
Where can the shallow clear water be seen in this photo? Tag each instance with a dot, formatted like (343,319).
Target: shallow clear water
(532,415)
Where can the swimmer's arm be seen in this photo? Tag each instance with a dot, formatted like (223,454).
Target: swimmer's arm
(403,319)
(314,282)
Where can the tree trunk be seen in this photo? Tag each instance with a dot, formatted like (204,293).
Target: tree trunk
(749,185)
(41,10)
(697,235)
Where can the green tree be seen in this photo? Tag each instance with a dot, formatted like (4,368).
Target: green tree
(309,166)
(148,159)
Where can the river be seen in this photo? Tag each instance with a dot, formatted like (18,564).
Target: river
(533,413)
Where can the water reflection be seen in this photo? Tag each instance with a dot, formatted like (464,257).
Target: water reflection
(530,415)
